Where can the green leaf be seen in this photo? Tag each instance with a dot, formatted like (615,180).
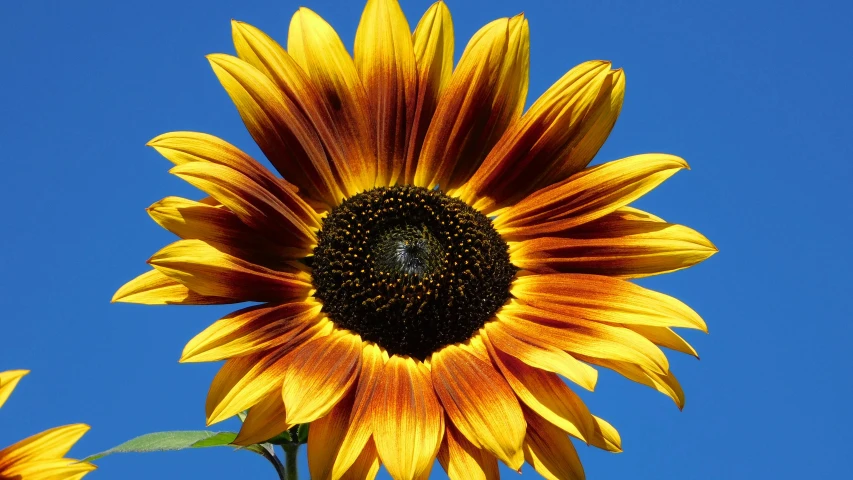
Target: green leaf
(221,439)
(167,441)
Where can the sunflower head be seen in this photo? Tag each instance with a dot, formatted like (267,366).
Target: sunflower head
(432,261)
(410,269)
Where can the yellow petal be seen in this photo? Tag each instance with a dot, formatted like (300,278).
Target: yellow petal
(316,47)
(252,329)
(287,138)
(433,47)
(8,381)
(208,271)
(485,94)
(533,152)
(155,288)
(542,357)
(586,196)
(550,452)
(53,469)
(50,444)
(490,418)
(385,60)
(463,461)
(262,52)
(605,299)
(544,393)
(265,420)
(319,374)
(407,419)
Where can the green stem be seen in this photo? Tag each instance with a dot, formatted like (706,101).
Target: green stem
(291,471)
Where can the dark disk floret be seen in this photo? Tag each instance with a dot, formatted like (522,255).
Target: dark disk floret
(410,269)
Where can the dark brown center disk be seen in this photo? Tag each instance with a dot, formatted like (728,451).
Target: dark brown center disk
(410,269)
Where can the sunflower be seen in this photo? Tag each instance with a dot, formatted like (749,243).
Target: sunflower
(432,259)
(40,457)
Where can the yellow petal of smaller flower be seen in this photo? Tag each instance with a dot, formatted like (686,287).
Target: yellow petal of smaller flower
(8,380)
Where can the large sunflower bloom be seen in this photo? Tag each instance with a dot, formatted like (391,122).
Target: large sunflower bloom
(40,457)
(434,258)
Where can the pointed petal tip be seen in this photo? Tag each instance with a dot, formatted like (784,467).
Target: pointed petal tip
(121,293)
(217,58)
(186,357)
(154,142)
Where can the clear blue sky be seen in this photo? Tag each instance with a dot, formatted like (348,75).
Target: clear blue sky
(755,95)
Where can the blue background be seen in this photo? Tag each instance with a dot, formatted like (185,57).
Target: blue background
(755,95)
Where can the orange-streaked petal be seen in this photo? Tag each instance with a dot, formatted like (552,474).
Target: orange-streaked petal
(664,337)
(360,425)
(536,150)
(155,288)
(433,47)
(578,336)
(262,52)
(50,444)
(254,205)
(366,466)
(190,147)
(316,47)
(325,438)
(620,248)
(665,383)
(252,329)
(207,271)
(547,395)
(385,60)
(480,403)
(463,461)
(407,419)
(221,228)
(549,451)
(243,382)
(606,437)
(485,94)
(319,373)
(605,299)
(265,420)
(586,196)
(598,125)
(543,357)
(8,381)
(283,132)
